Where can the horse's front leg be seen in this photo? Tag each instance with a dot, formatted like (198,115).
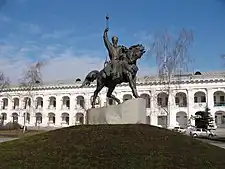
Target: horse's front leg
(99,87)
(132,84)
(110,96)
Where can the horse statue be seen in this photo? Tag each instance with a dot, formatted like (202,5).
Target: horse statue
(130,58)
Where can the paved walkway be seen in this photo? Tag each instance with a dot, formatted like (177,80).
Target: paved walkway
(215,143)
(220,132)
(4,139)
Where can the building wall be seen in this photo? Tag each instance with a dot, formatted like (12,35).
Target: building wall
(183,102)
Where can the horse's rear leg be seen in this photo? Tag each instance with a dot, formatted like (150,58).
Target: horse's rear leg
(99,87)
(110,96)
(132,84)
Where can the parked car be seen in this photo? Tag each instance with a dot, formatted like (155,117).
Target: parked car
(198,132)
(179,129)
(212,127)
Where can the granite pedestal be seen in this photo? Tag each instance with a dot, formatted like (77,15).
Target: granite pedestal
(132,111)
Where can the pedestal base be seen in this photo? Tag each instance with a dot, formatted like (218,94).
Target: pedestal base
(129,112)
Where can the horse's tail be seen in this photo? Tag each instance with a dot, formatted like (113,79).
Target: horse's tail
(91,76)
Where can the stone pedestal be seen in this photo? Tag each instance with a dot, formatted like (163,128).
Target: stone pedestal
(129,112)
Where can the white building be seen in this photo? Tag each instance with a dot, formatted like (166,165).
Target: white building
(63,105)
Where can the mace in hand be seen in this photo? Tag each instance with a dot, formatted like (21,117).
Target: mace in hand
(107,18)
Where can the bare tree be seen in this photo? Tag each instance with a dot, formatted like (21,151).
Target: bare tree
(172,60)
(4,84)
(31,80)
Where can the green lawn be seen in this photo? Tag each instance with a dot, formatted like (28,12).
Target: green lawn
(110,146)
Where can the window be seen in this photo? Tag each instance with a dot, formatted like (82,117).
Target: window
(159,100)
(177,100)
(223,120)
(65,119)
(54,103)
(221,99)
(51,119)
(38,118)
(4,116)
(184,101)
(67,103)
(195,99)
(5,104)
(80,102)
(166,101)
(15,119)
(203,99)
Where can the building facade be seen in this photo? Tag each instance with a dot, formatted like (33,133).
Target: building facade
(167,105)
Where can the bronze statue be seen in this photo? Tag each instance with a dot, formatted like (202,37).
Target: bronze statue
(121,68)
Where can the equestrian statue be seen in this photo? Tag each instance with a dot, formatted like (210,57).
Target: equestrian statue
(122,68)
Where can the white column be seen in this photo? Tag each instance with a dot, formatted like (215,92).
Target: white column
(210,98)
(190,108)
(31,110)
(103,100)
(72,110)
(45,111)
(153,111)
(46,104)
(87,106)
(10,103)
(87,100)
(1,104)
(21,103)
(171,113)
(61,102)
(58,118)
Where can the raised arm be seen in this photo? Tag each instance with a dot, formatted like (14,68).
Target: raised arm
(108,44)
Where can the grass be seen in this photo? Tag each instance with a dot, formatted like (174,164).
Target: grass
(110,146)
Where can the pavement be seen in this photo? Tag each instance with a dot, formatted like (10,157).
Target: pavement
(42,128)
(215,143)
(4,139)
(220,132)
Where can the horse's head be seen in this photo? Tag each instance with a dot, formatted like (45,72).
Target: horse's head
(137,51)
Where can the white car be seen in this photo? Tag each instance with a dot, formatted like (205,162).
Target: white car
(179,129)
(198,132)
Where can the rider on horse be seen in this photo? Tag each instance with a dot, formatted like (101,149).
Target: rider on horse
(116,54)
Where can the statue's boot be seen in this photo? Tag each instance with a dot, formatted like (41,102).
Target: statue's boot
(128,68)
(107,70)
(115,74)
